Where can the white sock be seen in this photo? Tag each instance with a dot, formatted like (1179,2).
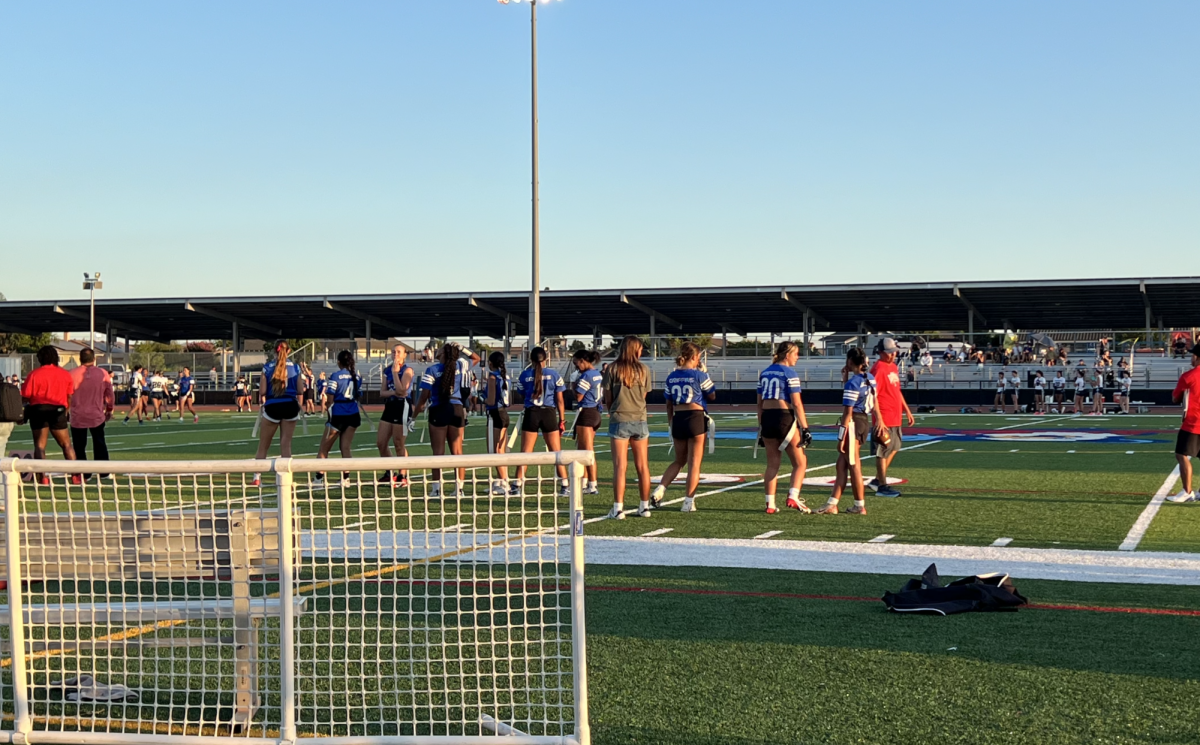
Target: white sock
(771,501)
(860,503)
(566,483)
(794,494)
(644,505)
(591,484)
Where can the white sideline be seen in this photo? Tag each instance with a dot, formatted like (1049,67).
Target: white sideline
(1143,567)
(1138,531)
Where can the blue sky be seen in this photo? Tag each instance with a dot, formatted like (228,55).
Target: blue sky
(225,148)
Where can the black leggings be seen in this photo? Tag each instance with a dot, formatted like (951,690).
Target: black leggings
(79,438)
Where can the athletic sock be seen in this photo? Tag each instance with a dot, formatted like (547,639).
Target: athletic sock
(643,505)
(770,501)
(591,484)
(860,503)
(794,494)
(566,483)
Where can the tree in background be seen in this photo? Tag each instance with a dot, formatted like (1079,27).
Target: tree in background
(23,343)
(152,354)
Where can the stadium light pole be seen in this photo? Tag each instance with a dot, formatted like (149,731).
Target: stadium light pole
(535,296)
(91,284)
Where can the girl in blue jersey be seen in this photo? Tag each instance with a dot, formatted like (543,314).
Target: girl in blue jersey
(397,417)
(589,393)
(187,395)
(858,401)
(545,412)
(343,388)
(282,385)
(496,399)
(686,389)
(442,388)
(782,424)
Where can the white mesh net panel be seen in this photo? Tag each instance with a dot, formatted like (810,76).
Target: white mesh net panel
(155,602)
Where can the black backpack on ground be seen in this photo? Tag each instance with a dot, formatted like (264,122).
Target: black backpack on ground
(985,592)
(12,409)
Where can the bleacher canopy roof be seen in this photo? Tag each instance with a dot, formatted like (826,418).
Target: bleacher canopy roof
(1040,304)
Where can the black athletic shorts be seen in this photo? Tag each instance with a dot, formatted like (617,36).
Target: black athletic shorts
(540,419)
(394,409)
(464,394)
(588,417)
(1187,444)
(309,394)
(688,424)
(282,411)
(343,422)
(135,392)
(862,427)
(499,418)
(776,423)
(447,415)
(43,416)
(157,395)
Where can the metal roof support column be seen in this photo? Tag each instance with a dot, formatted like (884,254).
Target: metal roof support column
(597,338)
(508,335)
(368,323)
(108,342)
(237,351)
(653,341)
(970,328)
(806,321)
(724,343)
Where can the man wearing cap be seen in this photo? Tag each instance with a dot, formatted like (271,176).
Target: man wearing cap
(886,432)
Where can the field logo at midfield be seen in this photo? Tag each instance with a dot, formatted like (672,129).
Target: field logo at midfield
(1038,436)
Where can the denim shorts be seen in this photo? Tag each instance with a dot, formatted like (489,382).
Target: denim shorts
(628,430)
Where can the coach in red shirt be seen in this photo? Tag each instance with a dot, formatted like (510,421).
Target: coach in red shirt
(1187,444)
(47,393)
(886,433)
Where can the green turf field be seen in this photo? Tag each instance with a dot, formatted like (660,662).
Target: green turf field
(961,489)
(716,655)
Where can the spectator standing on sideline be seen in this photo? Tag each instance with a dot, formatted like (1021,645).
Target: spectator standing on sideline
(91,406)
(1014,388)
(889,405)
(47,393)
(213,377)
(1187,443)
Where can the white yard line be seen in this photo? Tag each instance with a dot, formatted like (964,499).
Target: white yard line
(1138,531)
(1144,567)
(1001,542)
(660,531)
(882,538)
(768,534)
(1041,420)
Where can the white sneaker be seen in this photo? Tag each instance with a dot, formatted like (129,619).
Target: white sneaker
(435,490)
(616,513)
(346,483)
(643,512)
(590,490)
(689,504)
(564,491)
(499,489)
(1182,497)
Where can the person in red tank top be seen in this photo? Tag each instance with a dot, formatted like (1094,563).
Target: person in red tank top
(890,407)
(1187,444)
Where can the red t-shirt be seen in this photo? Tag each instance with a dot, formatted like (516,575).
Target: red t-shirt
(48,384)
(1189,383)
(888,398)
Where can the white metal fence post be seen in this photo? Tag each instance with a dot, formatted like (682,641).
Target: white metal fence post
(583,732)
(287,618)
(16,615)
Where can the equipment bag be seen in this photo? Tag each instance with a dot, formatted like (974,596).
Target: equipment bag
(12,409)
(985,592)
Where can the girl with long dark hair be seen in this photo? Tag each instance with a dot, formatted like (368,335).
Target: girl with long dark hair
(442,388)
(496,399)
(545,412)
(343,387)
(858,401)
(589,393)
(397,413)
(282,385)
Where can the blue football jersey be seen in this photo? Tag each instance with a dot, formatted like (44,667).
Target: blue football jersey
(552,383)
(778,382)
(344,388)
(501,383)
(293,375)
(859,392)
(591,385)
(688,386)
(462,378)
(185,384)
(389,384)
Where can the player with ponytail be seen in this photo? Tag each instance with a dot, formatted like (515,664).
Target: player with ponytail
(589,395)
(544,412)
(782,424)
(282,386)
(496,399)
(344,388)
(397,416)
(442,391)
(686,389)
(858,402)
